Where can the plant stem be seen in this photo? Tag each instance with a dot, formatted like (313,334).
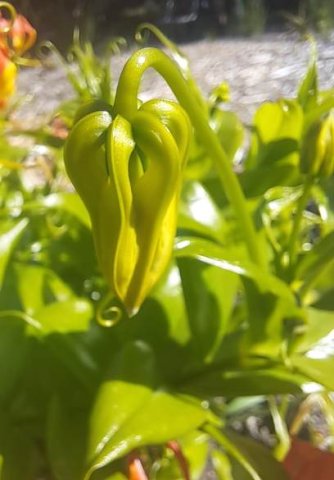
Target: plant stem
(283,439)
(230,448)
(126,104)
(293,243)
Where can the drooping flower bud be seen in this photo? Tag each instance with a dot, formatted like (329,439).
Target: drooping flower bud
(128,174)
(16,38)
(317,152)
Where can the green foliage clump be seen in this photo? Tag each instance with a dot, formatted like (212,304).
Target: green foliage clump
(239,319)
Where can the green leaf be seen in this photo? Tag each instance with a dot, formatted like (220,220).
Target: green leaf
(72,315)
(260,457)
(51,302)
(257,181)
(66,440)
(251,460)
(66,202)
(131,410)
(280,120)
(195,447)
(221,465)
(318,364)
(266,326)
(320,324)
(8,151)
(325,104)
(218,381)
(229,129)
(30,280)
(14,346)
(266,334)
(8,241)
(21,459)
(314,261)
(308,89)
(212,254)
(274,148)
(198,212)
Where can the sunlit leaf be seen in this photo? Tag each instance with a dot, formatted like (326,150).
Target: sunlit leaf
(229,129)
(198,212)
(308,88)
(195,447)
(131,410)
(66,202)
(215,255)
(8,241)
(221,465)
(320,325)
(318,364)
(69,316)
(280,120)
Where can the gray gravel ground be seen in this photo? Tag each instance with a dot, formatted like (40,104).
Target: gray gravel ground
(258,69)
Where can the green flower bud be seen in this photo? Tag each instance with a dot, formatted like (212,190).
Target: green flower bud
(128,174)
(317,152)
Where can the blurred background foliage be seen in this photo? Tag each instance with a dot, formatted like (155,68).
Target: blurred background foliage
(181,19)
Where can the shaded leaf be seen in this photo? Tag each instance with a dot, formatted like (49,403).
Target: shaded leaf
(258,456)
(215,381)
(14,346)
(66,440)
(209,297)
(21,459)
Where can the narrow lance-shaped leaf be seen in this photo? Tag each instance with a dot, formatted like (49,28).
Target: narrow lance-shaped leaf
(8,241)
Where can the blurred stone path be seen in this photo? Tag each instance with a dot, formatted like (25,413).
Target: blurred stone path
(257,69)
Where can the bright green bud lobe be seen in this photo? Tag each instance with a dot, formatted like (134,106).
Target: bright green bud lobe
(129,175)
(317,153)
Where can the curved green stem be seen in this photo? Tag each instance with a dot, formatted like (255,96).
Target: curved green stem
(231,449)
(293,243)
(22,316)
(180,59)
(126,105)
(282,435)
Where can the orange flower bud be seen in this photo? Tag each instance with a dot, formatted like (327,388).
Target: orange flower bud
(22,35)
(17,38)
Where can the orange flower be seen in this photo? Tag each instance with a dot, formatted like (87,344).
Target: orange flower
(8,72)
(16,38)
(22,35)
